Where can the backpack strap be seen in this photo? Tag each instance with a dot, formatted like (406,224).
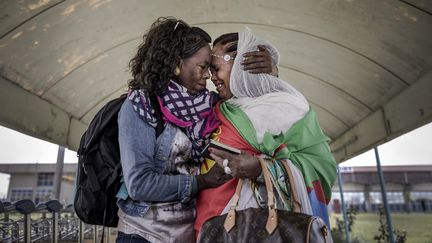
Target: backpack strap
(113,106)
(88,169)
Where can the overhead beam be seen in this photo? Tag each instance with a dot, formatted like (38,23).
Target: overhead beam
(408,110)
(27,113)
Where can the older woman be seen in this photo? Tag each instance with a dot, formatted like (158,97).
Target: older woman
(264,116)
(160,173)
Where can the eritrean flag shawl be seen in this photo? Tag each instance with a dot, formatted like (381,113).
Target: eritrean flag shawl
(304,144)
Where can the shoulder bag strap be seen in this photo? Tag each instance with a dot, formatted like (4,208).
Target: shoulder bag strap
(296,201)
(272,217)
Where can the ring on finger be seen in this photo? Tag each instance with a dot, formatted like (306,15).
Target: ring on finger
(227,170)
(225,162)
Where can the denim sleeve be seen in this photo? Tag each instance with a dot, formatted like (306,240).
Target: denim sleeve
(137,147)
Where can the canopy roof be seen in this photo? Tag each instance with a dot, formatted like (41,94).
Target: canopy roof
(365,66)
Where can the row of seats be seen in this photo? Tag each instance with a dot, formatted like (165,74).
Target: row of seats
(27,206)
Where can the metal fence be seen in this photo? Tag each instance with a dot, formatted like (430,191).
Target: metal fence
(23,221)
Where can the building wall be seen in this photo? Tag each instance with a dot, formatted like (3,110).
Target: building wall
(23,180)
(389,187)
(67,190)
(409,188)
(422,187)
(360,184)
(36,182)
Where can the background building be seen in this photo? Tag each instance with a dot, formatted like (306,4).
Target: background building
(409,188)
(36,182)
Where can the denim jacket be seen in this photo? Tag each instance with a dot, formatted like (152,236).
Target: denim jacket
(144,161)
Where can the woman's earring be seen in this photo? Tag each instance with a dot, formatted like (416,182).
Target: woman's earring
(177,71)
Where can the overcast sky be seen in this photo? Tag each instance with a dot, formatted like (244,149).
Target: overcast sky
(412,148)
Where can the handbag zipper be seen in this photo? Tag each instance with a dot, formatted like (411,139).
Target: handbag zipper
(325,233)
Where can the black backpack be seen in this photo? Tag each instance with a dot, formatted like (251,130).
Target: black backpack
(99,167)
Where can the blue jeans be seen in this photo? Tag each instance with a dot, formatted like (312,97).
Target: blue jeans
(125,238)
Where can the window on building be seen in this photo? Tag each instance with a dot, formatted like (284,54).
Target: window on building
(42,195)
(350,197)
(395,197)
(21,193)
(375,197)
(45,179)
(392,197)
(421,196)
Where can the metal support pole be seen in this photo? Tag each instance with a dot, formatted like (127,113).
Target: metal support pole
(55,231)
(59,172)
(27,228)
(95,234)
(345,218)
(6,220)
(108,235)
(384,197)
(81,232)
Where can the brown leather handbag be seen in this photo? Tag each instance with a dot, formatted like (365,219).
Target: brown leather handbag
(265,225)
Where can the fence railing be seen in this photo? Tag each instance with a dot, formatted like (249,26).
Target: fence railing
(23,221)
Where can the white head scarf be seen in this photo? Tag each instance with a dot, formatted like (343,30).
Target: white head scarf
(271,104)
(245,84)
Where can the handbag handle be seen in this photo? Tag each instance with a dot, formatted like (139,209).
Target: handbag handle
(296,201)
(272,216)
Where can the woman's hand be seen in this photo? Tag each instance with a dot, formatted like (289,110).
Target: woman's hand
(259,62)
(214,178)
(241,165)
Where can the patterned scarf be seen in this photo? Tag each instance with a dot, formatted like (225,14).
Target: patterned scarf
(195,114)
(141,104)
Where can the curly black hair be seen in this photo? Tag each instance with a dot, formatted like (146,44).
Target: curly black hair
(167,42)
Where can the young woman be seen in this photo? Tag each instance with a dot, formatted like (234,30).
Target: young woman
(264,116)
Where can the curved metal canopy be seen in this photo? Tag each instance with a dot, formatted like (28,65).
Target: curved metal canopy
(365,66)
